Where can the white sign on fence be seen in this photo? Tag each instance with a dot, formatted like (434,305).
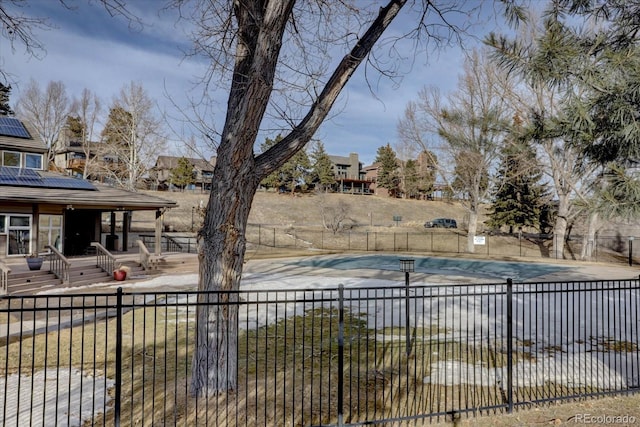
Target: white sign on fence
(478,240)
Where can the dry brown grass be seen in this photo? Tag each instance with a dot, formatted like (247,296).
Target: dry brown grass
(298,223)
(284,210)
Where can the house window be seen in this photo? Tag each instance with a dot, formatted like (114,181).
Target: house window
(33,161)
(49,232)
(3,224)
(11,158)
(15,159)
(19,234)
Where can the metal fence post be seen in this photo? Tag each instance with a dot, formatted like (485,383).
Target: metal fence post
(406,315)
(510,345)
(118,367)
(340,354)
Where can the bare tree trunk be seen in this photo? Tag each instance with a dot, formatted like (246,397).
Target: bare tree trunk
(221,260)
(237,175)
(589,239)
(560,228)
(473,228)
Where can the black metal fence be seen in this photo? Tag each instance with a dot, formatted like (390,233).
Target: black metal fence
(340,356)
(616,248)
(602,248)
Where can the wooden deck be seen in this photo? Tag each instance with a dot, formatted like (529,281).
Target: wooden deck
(84,271)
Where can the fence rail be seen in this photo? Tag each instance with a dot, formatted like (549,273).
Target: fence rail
(602,248)
(317,357)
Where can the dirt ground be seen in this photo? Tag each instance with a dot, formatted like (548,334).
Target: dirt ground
(619,410)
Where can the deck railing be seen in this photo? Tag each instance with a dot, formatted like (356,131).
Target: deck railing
(148,261)
(4,277)
(59,265)
(104,259)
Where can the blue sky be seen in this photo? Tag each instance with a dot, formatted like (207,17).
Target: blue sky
(89,49)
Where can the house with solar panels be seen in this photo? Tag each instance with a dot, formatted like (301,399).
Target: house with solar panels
(40,208)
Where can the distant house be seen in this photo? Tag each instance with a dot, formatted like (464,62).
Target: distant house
(160,174)
(439,190)
(40,207)
(71,157)
(349,175)
(371,174)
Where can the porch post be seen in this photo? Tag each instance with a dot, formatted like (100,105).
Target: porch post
(112,224)
(35,226)
(158,235)
(126,218)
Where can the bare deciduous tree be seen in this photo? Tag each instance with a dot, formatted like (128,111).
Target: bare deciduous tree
(271,48)
(334,216)
(88,108)
(466,130)
(133,136)
(540,101)
(46,110)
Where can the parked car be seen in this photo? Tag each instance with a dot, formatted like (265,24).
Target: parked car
(441,223)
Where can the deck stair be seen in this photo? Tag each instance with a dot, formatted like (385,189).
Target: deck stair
(82,273)
(30,282)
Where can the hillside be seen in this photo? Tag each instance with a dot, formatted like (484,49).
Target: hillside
(283,209)
(376,214)
(369,213)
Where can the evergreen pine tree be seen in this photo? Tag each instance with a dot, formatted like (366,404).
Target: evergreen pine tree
(273,180)
(75,127)
(411,179)
(322,171)
(388,171)
(296,171)
(182,174)
(518,196)
(5,109)
(426,164)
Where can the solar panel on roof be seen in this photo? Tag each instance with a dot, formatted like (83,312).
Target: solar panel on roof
(30,178)
(12,176)
(10,126)
(71,183)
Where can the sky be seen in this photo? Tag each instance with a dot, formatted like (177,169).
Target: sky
(87,48)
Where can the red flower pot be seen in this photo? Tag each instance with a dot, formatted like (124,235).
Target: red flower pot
(119,275)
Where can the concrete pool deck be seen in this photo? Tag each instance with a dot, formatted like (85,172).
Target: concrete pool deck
(441,270)
(300,271)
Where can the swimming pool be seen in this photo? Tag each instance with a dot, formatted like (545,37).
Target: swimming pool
(518,271)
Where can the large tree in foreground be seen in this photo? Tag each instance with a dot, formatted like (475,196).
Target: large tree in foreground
(262,38)
(269,48)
